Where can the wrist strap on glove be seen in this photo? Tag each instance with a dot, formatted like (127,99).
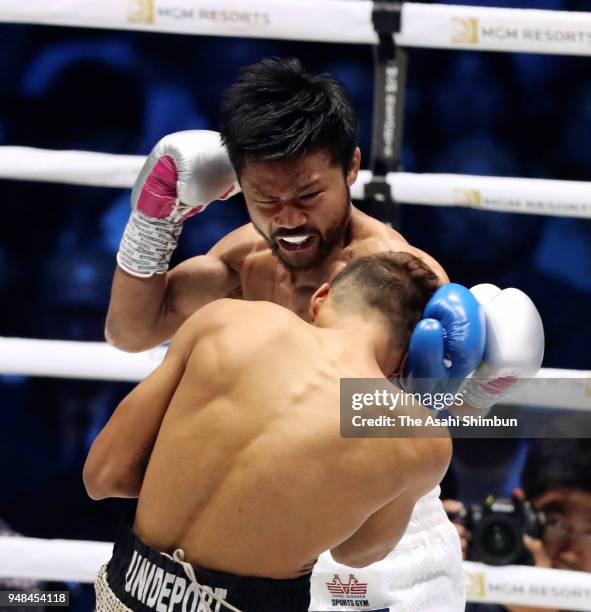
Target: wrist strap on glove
(147,244)
(483,393)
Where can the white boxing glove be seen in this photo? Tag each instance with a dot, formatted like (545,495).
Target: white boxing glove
(514,345)
(183,174)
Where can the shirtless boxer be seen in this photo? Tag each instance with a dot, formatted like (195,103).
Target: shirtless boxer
(244,411)
(292,142)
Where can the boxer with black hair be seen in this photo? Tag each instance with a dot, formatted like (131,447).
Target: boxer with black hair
(289,142)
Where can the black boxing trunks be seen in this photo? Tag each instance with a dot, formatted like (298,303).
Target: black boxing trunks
(141,579)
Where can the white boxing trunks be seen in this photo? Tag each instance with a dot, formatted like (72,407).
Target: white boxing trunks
(422,574)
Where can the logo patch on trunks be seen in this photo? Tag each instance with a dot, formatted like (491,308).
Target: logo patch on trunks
(350,593)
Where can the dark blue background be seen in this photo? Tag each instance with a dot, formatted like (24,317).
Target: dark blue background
(119,92)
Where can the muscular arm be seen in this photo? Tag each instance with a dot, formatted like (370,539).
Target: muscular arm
(422,470)
(119,456)
(144,312)
(375,539)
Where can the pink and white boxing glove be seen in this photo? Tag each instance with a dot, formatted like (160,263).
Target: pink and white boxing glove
(183,174)
(514,345)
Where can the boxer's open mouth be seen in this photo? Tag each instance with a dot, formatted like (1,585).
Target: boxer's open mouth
(296,243)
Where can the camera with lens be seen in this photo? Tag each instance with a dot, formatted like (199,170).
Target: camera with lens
(497,528)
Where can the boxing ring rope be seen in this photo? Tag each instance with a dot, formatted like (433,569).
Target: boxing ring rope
(76,560)
(555,388)
(520,195)
(81,360)
(342,21)
(69,167)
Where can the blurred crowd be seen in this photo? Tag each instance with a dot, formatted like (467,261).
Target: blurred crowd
(119,92)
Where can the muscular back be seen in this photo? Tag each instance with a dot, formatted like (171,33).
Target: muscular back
(249,473)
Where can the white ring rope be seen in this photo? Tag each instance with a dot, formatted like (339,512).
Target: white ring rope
(348,21)
(529,196)
(77,560)
(52,560)
(69,359)
(554,388)
(527,586)
(343,21)
(70,167)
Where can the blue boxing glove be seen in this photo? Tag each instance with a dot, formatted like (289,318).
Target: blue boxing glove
(447,344)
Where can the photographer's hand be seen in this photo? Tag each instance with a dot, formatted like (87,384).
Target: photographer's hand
(534,546)
(455,508)
(537,551)
(540,557)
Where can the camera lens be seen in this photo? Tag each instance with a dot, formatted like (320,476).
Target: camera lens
(499,540)
(497,527)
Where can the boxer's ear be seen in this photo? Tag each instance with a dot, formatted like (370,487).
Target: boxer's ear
(316,300)
(354,167)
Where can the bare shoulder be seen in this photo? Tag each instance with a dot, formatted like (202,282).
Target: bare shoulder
(372,236)
(365,227)
(427,259)
(227,313)
(228,331)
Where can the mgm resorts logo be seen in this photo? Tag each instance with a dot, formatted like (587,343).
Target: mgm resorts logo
(140,11)
(475,584)
(467,197)
(465,30)
(147,11)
